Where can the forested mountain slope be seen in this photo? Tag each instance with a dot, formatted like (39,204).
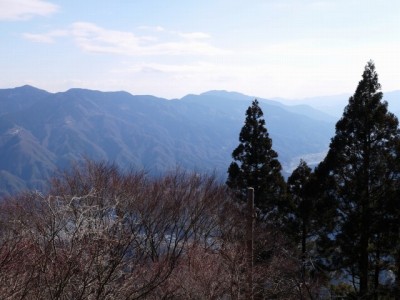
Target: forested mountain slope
(41,132)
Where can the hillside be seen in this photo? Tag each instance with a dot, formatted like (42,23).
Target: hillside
(41,132)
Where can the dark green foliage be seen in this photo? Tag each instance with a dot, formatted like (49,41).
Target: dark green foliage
(302,205)
(358,175)
(255,163)
(304,217)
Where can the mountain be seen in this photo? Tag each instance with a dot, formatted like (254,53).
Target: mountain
(41,132)
(302,109)
(334,105)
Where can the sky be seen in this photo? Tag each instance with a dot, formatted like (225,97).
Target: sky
(169,48)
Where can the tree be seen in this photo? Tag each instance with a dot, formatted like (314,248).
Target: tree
(255,163)
(359,174)
(103,234)
(302,209)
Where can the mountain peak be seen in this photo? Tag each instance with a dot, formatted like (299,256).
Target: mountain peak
(226,94)
(29,89)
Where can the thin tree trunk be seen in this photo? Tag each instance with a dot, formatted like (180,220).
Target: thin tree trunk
(303,250)
(365,221)
(364,239)
(250,237)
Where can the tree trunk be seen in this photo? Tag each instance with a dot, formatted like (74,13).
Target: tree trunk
(250,242)
(365,220)
(364,240)
(303,250)
(363,265)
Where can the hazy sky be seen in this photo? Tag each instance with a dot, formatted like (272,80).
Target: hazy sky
(169,48)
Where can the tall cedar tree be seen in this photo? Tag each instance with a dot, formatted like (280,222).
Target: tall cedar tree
(255,163)
(359,174)
(302,212)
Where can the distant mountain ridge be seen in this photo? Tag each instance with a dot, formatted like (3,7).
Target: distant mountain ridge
(41,132)
(302,109)
(333,105)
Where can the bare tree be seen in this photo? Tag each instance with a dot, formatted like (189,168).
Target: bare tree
(102,234)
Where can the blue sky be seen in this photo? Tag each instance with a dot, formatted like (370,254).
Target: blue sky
(270,48)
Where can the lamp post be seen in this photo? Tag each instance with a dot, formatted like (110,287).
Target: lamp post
(250,241)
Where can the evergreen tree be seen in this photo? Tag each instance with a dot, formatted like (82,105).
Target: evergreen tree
(300,188)
(359,174)
(255,163)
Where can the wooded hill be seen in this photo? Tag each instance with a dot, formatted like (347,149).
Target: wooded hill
(42,132)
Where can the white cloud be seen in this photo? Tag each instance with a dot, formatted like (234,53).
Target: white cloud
(47,37)
(12,10)
(92,38)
